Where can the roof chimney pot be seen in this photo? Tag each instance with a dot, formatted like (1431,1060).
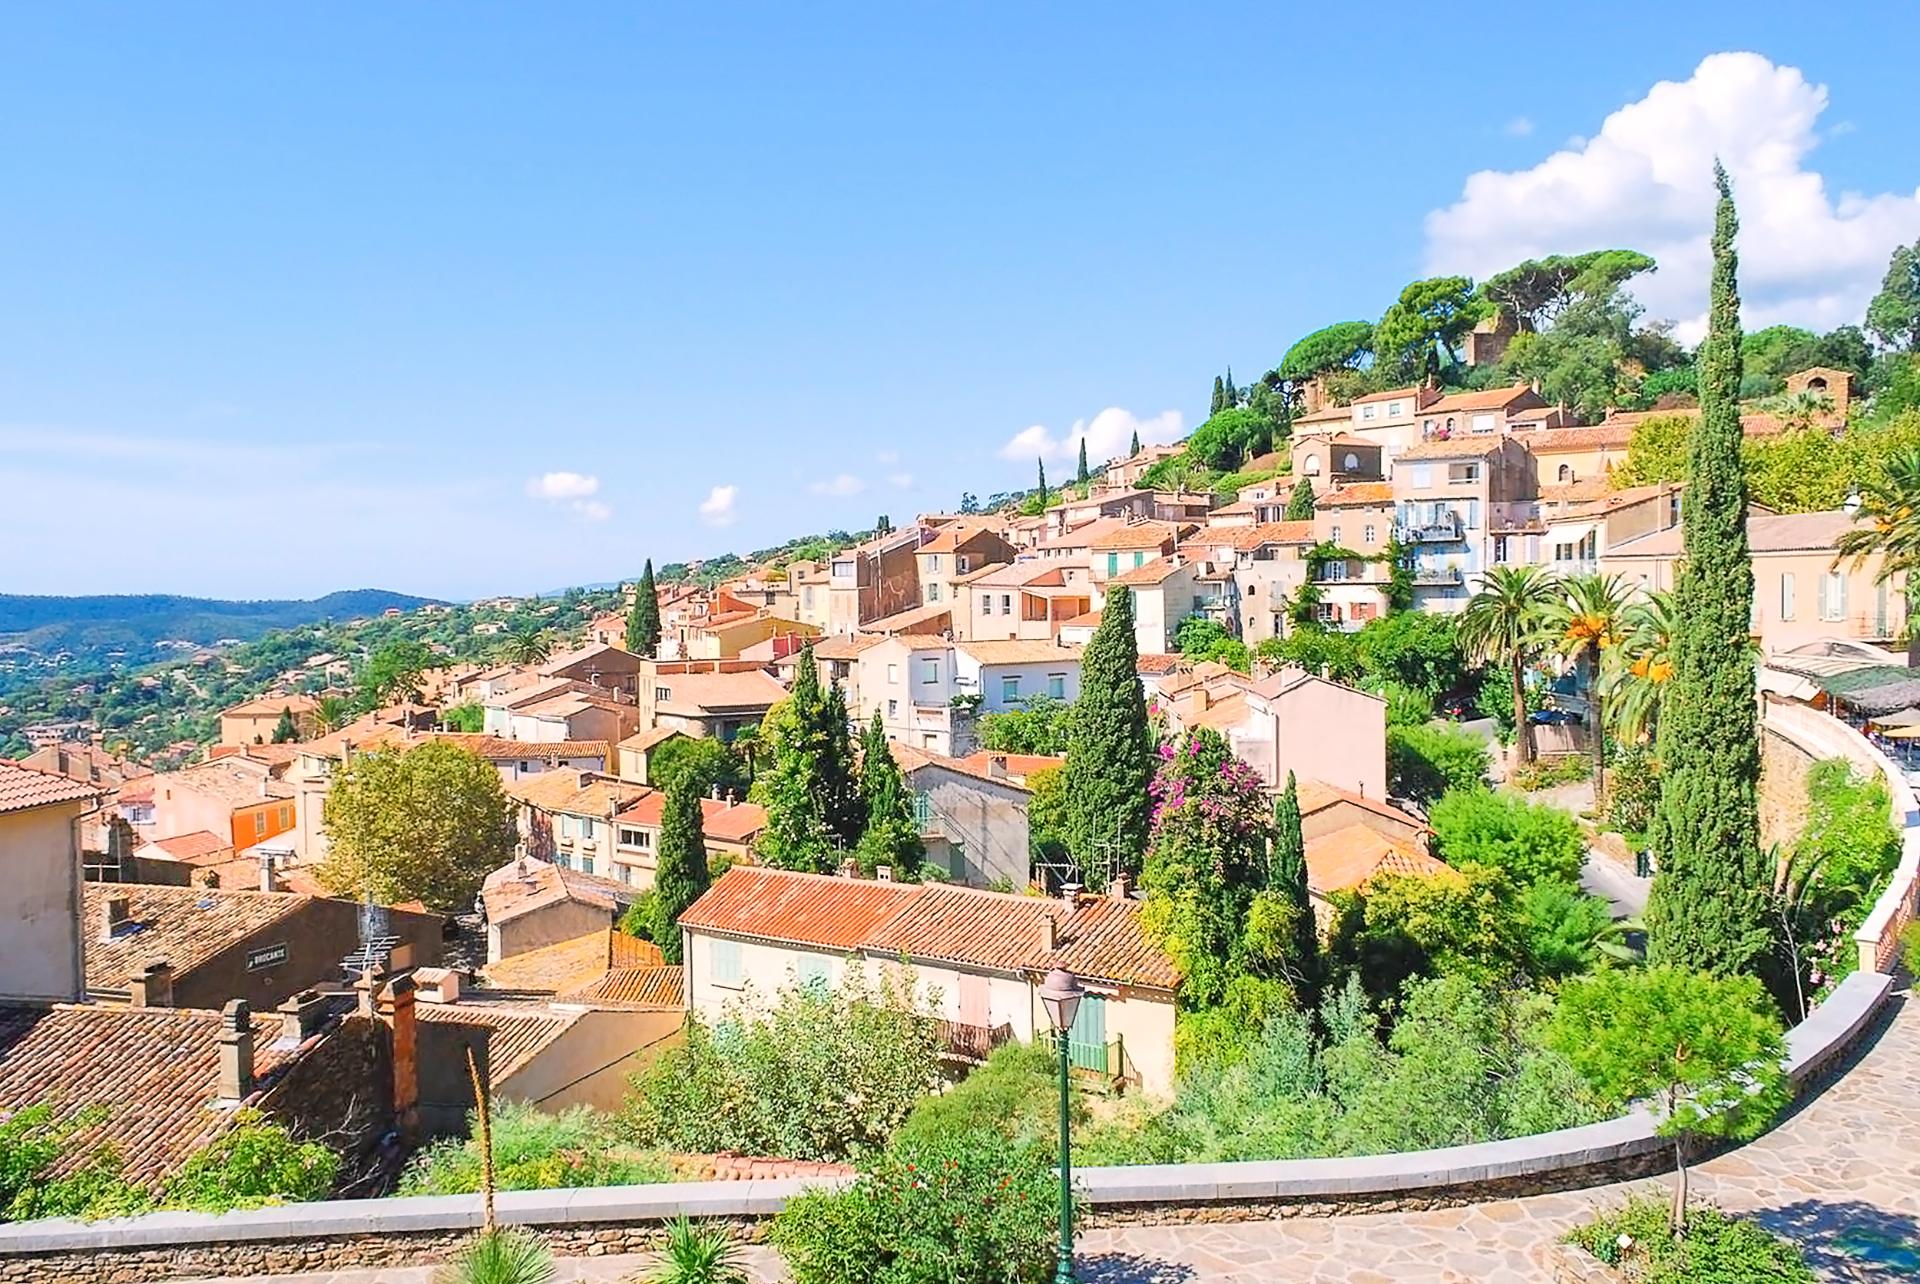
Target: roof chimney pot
(236,1052)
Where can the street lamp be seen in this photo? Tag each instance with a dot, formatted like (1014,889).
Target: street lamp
(1061,995)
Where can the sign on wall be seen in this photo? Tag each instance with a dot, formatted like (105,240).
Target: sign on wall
(266,956)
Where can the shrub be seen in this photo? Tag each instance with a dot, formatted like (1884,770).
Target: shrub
(1425,762)
(1848,829)
(533,1150)
(1910,947)
(826,1074)
(1406,706)
(1633,787)
(33,1141)
(967,1209)
(1717,1247)
(1014,1096)
(252,1164)
(699,1255)
(1528,841)
(505,1255)
(1545,773)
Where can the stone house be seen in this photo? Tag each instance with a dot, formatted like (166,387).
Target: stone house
(878,578)
(972,815)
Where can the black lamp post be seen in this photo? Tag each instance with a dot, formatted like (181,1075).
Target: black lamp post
(1061,995)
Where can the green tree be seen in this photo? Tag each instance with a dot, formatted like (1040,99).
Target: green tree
(1343,345)
(711,763)
(1300,502)
(1709,908)
(891,838)
(1109,750)
(1082,476)
(1894,313)
(1656,452)
(1134,449)
(681,872)
(1534,293)
(1038,727)
(1041,491)
(643,617)
(1424,763)
(284,731)
(1427,323)
(391,674)
(1643,667)
(427,823)
(470,718)
(1502,625)
(1219,401)
(1230,438)
(1707,1051)
(1529,842)
(331,713)
(846,805)
(1417,649)
(528,644)
(1287,876)
(793,786)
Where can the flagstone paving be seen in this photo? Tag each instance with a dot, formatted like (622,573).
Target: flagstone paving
(1841,1176)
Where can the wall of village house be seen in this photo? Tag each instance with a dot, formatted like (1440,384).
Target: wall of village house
(988,820)
(1794,602)
(1332,733)
(548,925)
(40,943)
(315,937)
(765,969)
(588,1065)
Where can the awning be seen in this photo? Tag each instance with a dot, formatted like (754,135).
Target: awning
(1901,718)
(1873,689)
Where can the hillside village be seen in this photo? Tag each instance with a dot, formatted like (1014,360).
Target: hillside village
(1236,730)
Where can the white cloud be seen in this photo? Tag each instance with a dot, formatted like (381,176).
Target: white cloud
(903,481)
(717,509)
(839,486)
(591,509)
(1645,182)
(563,485)
(1518,127)
(888,457)
(1107,435)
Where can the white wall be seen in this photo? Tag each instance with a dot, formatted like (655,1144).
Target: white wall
(40,946)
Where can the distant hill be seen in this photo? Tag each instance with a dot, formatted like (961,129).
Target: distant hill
(134,623)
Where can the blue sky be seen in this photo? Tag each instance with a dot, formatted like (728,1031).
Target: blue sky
(296,299)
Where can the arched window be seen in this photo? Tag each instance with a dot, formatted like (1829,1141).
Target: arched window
(1817,384)
(1310,466)
(1351,463)
(1566,472)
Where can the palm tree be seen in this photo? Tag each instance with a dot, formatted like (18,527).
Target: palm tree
(1586,624)
(331,713)
(1502,625)
(1890,501)
(1642,665)
(528,644)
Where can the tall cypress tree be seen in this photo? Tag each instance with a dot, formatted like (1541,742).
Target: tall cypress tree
(1229,395)
(1287,875)
(1300,502)
(1109,749)
(1134,449)
(1043,481)
(1219,397)
(680,873)
(792,787)
(1083,475)
(892,838)
(1709,908)
(643,617)
(846,808)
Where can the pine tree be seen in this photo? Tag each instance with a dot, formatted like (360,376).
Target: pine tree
(792,785)
(1709,905)
(1109,749)
(284,731)
(1135,448)
(1287,875)
(892,838)
(680,875)
(1083,476)
(643,617)
(846,809)
(1300,502)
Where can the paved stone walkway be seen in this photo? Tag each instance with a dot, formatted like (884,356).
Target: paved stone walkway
(1841,1176)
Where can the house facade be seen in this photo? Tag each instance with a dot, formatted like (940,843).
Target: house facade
(1452,495)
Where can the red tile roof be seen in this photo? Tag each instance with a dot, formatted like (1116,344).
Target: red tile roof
(737,823)
(1352,857)
(1356,495)
(199,844)
(632,987)
(23,787)
(1316,794)
(1154,572)
(1472,446)
(516,1032)
(182,926)
(1484,399)
(798,909)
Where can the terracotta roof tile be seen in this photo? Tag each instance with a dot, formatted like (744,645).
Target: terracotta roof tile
(23,787)
(632,987)
(568,965)
(1471,446)
(1137,535)
(182,926)
(1358,494)
(739,822)
(1352,857)
(1157,571)
(1316,794)
(524,886)
(198,845)
(269,706)
(798,909)
(1019,651)
(155,1070)
(516,1032)
(1484,399)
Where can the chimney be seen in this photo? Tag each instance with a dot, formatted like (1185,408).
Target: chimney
(396,1010)
(114,916)
(997,766)
(849,868)
(302,1016)
(364,991)
(884,873)
(236,1052)
(1199,699)
(1121,888)
(436,985)
(268,883)
(153,987)
(1070,894)
(715,793)
(1049,933)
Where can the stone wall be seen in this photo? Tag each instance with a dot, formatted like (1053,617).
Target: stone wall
(1783,788)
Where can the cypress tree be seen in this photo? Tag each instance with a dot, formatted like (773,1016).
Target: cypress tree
(1083,474)
(892,837)
(1043,481)
(643,617)
(1709,908)
(792,786)
(1229,395)
(1135,448)
(845,807)
(1300,502)
(1109,749)
(284,731)
(680,874)
(1219,398)
(1287,875)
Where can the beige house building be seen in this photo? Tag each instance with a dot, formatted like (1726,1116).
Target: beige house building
(956,553)
(929,691)
(1357,518)
(41,955)
(878,578)
(1128,546)
(728,826)
(718,698)
(252,722)
(1030,598)
(1452,495)
(1165,592)
(976,958)
(1799,594)
(1263,566)
(972,815)
(1289,721)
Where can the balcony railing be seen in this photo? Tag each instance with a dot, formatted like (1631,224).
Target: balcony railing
(1445,530)
(972,1044)
(1437,576)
